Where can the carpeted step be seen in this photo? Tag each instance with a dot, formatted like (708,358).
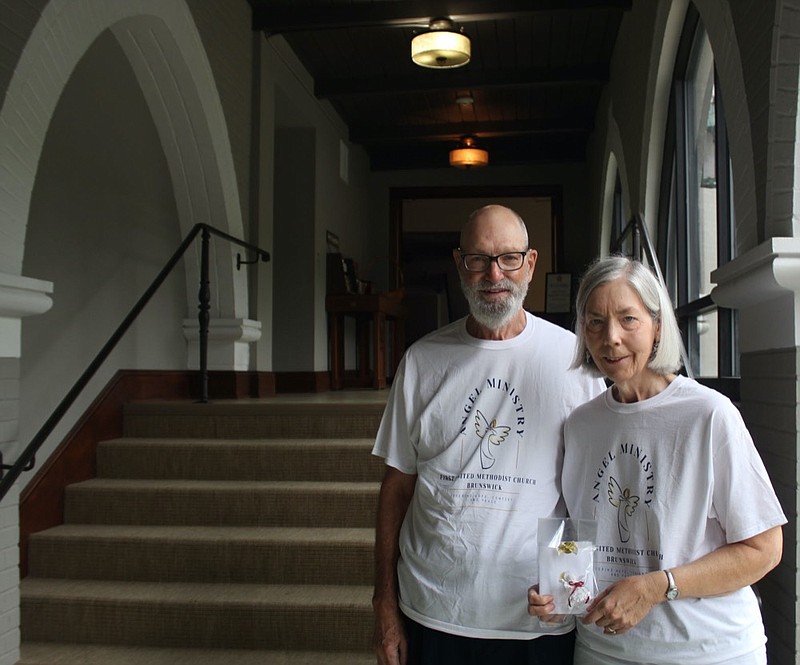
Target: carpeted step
(223,616)
(347,460)
(246,538)
(53,653)
(252,420)
(204,554)
(221,503)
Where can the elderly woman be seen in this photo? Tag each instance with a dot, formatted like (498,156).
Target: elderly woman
(687,517)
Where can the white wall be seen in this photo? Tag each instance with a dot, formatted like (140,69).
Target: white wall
(102,224)
(339,200)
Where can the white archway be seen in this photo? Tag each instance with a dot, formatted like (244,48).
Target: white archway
(609,185)
(718,22)
(665,46)
(164,48)
(614,165)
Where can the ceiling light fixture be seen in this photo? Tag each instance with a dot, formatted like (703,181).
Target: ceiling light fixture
(467,156)
(441,47)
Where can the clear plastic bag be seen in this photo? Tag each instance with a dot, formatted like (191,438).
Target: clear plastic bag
(566,563)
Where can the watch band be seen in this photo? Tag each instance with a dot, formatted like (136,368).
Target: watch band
(672,588)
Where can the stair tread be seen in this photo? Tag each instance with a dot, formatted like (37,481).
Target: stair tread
(357,443)
(213,534)
(177,593)
(54,653)
(222,485)
(348,460)
(238,407)
(229,534)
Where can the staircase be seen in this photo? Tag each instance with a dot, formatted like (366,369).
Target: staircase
(231,533)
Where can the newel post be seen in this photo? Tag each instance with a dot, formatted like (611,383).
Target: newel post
(203,316)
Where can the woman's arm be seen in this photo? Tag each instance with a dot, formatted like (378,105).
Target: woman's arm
(625,603)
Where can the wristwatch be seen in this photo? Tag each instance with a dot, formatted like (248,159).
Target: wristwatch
(672,588)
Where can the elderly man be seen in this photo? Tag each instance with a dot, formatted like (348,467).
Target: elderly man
(472,441)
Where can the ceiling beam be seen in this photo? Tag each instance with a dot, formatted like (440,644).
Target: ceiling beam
(424,80)
(278,19)
(453,131)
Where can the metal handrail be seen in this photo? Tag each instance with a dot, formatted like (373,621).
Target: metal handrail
(26,460)
(637,229)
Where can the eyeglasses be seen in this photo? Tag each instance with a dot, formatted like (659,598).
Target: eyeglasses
(506,262)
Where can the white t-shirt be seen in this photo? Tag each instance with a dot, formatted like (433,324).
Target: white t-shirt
(480,423)
(669,479)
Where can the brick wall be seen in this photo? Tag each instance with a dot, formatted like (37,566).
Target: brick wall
(769,392)
(9,517)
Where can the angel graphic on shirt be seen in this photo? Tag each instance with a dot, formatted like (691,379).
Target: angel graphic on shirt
(625,502)
(491,434)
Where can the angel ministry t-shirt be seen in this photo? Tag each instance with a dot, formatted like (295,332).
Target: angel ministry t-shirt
(669,479)
(480,424)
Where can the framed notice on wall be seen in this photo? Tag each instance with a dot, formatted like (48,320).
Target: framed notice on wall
(558,293)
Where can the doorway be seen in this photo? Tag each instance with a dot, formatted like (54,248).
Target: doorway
(425,230)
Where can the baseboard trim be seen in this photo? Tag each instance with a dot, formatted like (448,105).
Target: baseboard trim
(302,382)
(240,385)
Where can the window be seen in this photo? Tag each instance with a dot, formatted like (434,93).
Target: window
(695,225)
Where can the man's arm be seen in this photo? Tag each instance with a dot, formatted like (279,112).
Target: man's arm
(395,495)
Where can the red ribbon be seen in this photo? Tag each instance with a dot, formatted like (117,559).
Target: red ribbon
(577,584)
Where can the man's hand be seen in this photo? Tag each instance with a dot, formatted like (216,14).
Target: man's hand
(390,636)
(542,607)
(390,640)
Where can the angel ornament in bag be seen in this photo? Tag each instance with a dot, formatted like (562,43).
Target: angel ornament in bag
(566,563)
(577,578)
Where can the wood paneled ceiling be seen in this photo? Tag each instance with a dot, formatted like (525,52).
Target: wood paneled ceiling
(537,71)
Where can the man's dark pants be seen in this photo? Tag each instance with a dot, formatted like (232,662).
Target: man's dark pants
(432,647)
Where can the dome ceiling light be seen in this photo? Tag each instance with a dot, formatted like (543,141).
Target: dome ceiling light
(441,47)
(467,155)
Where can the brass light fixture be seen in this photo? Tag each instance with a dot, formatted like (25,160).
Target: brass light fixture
(441,47)
(467,155)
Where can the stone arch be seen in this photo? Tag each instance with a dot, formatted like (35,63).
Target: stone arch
(794,228)
(783,187)
(718,22)
(166,53)
(669,23)
(614,162)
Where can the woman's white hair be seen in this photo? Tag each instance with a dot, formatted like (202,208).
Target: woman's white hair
(667,358)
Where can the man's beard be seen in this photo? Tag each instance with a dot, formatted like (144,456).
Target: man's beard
(494,314)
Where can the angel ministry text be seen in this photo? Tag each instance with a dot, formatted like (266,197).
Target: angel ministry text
(496,384)
(644,462)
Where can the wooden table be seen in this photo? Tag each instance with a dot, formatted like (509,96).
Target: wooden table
(368,309)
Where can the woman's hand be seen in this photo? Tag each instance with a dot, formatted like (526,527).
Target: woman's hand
(728,568)
(625,603)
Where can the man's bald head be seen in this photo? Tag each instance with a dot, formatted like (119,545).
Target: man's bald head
(492,215)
